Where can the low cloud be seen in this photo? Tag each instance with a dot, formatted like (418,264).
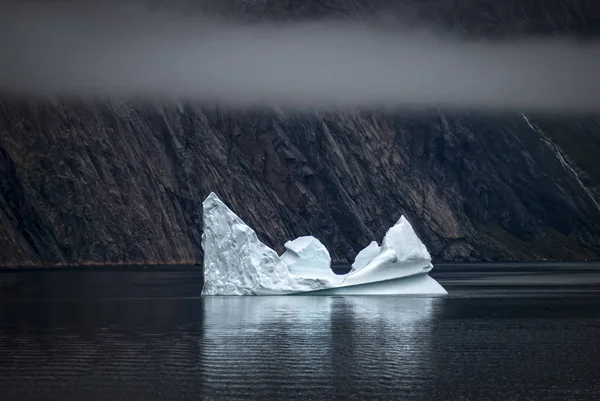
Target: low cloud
(310,65)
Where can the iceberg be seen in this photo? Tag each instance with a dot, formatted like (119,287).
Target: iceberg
(236,262)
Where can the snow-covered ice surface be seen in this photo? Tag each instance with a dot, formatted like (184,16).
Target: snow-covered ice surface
(237,263)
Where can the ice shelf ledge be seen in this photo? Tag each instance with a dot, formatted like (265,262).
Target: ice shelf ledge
(237,263)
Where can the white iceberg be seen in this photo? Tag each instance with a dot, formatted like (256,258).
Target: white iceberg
(237,263)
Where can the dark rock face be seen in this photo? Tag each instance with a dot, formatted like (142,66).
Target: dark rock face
(115,182)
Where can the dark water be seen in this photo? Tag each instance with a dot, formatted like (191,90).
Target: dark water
(506,332)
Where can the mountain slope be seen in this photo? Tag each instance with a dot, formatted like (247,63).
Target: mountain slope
(123,183)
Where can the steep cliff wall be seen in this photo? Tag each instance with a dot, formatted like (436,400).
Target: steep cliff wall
(116,182)
(122,182)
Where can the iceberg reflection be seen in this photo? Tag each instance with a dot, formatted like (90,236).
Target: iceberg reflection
(325,342)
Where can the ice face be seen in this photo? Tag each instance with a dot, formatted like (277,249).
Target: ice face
(421,284)
(307,257)
(402,254)
(237,263)
(365,256)
(404,241)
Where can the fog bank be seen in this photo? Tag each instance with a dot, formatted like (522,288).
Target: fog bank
(311,65)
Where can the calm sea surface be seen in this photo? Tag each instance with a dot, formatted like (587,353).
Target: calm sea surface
(505,332)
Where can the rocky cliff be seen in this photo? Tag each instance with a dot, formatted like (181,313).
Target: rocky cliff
(115,182)
(101,182)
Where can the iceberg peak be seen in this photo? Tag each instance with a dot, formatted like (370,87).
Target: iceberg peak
(365,256)
(401,238)
(237,263)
